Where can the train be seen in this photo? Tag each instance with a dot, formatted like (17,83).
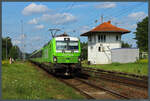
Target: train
(62,54)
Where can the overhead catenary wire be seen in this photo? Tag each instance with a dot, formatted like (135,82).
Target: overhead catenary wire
(135,6)
(62,10)
(54,26)
(88,14)
(125,11)
(64,14)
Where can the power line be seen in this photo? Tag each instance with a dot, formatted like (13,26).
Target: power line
(56,25)
(62,10)
(23,44)
(127,10)
(124,11)
(67,11)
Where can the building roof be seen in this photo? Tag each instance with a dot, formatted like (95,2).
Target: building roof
(62,35)
(106,27)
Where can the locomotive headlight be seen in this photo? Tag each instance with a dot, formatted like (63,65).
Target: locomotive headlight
(54,58)
(79,59)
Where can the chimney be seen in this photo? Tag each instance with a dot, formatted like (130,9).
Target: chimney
(109,21)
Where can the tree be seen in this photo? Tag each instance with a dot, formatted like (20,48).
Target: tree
(125,45)
(142,35)
(14,52)
(84,48)
(6,43)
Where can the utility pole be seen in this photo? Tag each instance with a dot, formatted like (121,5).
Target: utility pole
(53,32)
(22,39)
(6,47)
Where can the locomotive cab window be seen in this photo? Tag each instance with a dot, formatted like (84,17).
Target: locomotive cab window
(73,45)
(70,45)
(61,45)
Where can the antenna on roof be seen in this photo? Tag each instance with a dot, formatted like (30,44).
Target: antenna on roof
(116,23)
(102,18)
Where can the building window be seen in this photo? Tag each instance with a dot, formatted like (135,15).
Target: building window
(101,38)
(117,38)
(94,38)
(90,38)
(104,38)
(99,49)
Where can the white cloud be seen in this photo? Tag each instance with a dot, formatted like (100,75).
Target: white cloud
(33,21)
(58,18)
(36,38)
(81,5)
(85,29)
(39,26)
(128,26)
(133,26)
(22,36)
(137,15)
(106,5)
(34,8)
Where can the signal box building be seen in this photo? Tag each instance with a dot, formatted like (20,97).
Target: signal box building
(101,40)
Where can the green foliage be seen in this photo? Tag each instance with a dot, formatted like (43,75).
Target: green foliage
(12,51)
(142,35)
(125,45)
(84,48)
(143,61)
(24,81)
(134,68)
(6,43)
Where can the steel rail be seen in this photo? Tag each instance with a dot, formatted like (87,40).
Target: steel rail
(81,92)
(116,72)
(105,89)
(88,96)
(120,79)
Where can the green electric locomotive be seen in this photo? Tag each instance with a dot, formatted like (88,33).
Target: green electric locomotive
(62,54)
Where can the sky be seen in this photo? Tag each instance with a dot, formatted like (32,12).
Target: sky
(74,18)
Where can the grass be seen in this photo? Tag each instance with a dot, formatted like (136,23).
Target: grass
(23,81)
(140,67)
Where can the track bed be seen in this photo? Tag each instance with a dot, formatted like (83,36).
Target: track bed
(102,88)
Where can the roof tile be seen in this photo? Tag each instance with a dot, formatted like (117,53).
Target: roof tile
(106,27)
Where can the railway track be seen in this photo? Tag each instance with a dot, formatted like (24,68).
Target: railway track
(89,89)
(143,77)
(125,90)
(92,91)
(139,83)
